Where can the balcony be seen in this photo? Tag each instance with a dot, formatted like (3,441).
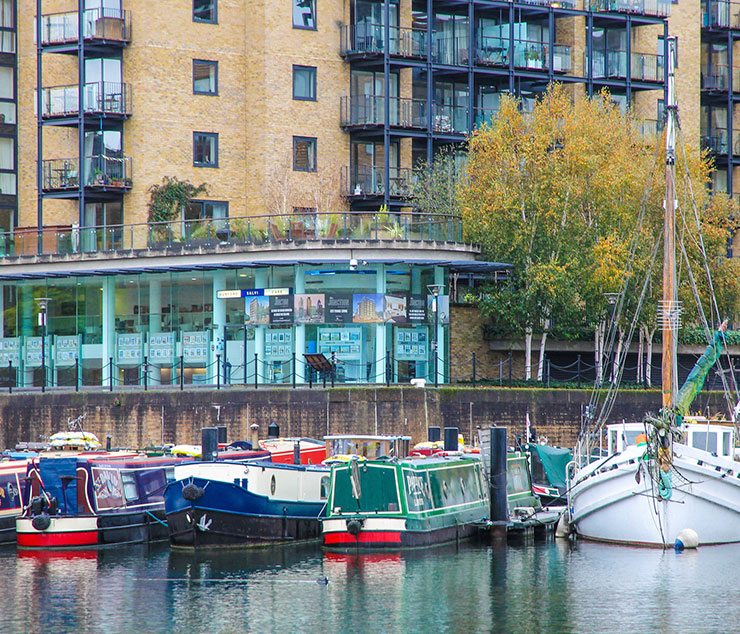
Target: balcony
(649,128)
(219,234)
(495,51)
(369,40)
(101,25)
(365,181)
(104,173)
(656,8)
(449,119)
(367,111)
(715,140)
(645,67)
(720,15)
(717,78)
(101,99)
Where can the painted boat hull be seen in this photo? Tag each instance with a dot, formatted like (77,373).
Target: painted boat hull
(7,529)
(101,530)
(609,505)
(272,504)
(380,533)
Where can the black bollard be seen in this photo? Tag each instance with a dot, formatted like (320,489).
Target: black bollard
(209,443)
(273,430)
(222,434)
(434,434)
(451,442)
(499,502)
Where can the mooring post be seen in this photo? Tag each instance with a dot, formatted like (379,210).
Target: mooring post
(451,438)
(434,434)
(209,443)
(499,503)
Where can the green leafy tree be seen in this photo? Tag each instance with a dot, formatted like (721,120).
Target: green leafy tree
(168,198)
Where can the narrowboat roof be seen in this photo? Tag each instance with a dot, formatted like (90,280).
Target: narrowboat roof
(366,437)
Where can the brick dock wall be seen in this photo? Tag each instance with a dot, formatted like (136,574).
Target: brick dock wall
(137,419)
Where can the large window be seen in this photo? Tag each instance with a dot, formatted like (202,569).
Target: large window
(304,83)
(205,149)
(7,165)
(205,77)
(304,14)
(304,154)
(202,209)
(204,10)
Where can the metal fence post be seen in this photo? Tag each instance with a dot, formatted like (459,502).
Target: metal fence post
(579,371)
(146,373)
(510,360)
(77,374)
(473,369)
(387,370)
(218,371)
(10,376)
(256,364)
(110,374)
(182,373)
(549,371)
(294,371)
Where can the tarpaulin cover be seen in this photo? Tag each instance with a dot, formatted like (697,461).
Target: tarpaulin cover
(554,460)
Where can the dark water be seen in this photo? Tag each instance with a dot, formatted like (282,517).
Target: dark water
(537,587)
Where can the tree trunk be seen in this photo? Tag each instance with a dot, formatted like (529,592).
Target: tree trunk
(598,351)
(617,356)
(638,376)
(528,354)
(541,365)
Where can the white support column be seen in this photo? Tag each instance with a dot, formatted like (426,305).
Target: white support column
(260,281)
(219,320)
(380,342)
(300,329)
(109,330)
(155,325)
(439,278)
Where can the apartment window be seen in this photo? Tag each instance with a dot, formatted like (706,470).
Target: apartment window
(204,11)
(304,154)
(205,149)
(205,77)
(304,14)
(203,209)
(304,83)
(7,166)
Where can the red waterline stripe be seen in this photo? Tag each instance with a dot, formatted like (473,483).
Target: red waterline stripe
(36,540)
(365,537)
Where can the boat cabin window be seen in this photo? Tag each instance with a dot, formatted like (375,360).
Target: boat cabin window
(620,439)
(704,440)
(365,448)
(152,483)
(130,490)
(324,492)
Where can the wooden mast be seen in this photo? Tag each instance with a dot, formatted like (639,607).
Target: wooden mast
(670,309)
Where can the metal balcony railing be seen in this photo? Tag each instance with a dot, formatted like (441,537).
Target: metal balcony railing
(658,8)
(367,110)
(495,51)
(720,14)
(360,181)
(100,171)
(101,98)
(649,127)
(451,50)
(715,140)
(210,234)
(100,24)
(717,78)
(369,39)
(450,119)
(613,65)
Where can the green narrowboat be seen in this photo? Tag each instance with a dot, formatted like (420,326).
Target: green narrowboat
(404,503)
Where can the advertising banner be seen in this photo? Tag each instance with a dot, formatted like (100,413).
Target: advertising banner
(162,348)
(195,346)
(66,350)
(339,308)
(257,310)
(417,309)
(281,310)
(309,308)
(129,349)
(367,308)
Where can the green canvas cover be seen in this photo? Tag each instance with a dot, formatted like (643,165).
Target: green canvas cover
(554,460)
(695,380)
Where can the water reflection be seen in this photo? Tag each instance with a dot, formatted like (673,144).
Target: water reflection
(528,587)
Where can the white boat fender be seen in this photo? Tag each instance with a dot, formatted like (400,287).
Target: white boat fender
(562,530)
(686,538)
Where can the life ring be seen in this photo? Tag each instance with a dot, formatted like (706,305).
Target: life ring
(192,492)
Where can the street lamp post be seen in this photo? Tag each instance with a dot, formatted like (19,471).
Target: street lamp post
(435,289)
(43,304)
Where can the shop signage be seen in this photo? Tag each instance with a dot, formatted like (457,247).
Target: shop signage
(161,347)
(33,352)
(10,351)
(66,350)
(129,349)
(253,292)
(195,347)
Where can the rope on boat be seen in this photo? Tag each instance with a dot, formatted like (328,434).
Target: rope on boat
(155,518)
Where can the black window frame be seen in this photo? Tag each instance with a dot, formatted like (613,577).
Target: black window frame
(213,135)
(300,67)
(208,62)
(313,140)
(313,15)
(214,20)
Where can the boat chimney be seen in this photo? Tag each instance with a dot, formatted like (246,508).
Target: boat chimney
(255,439)
(273,430)
(451,442)
(297,452)
(222,434)
(108,440)
(209,443)
(433,434)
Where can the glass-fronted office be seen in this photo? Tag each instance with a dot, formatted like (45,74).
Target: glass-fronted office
(376,321)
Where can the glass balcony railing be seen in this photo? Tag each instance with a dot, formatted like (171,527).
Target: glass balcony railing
(717,78)
(715,140)
(370,39)
(367,110)
(361,181)
(217,233)
(658,8)
(101,24)
(447,119)
(484,116)
(100,98)
(613,65)
(100,171)
(720,14)
(649,128)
